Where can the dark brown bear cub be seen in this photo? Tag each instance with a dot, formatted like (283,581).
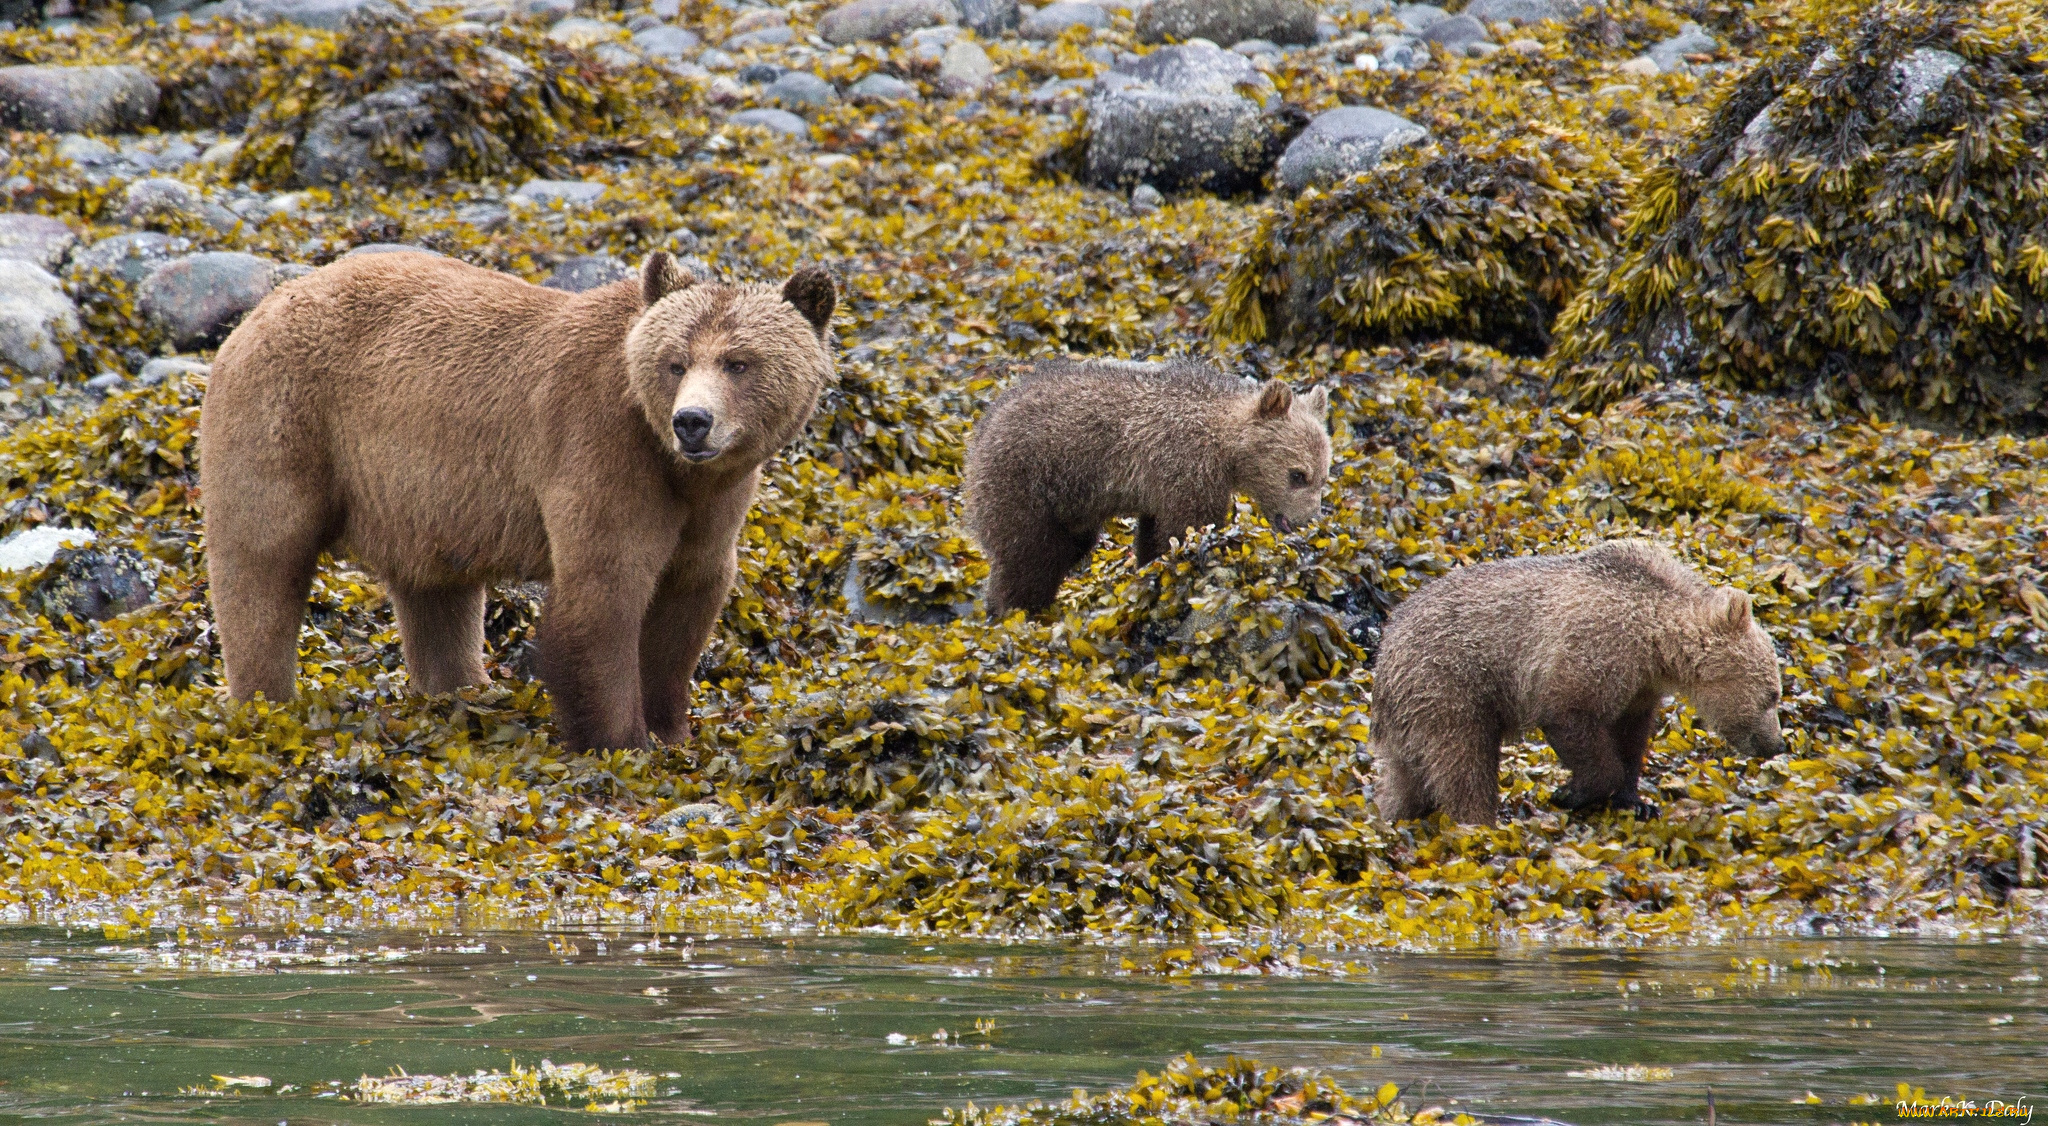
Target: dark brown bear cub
(1585,647)
(1073,444)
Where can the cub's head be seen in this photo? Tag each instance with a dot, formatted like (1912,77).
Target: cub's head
(1283,454)
(1736,690)
(728,374)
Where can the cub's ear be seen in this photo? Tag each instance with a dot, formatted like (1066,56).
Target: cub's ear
(1317,402)
(660,276)
(812,292)
(1275,400)
(1733,613)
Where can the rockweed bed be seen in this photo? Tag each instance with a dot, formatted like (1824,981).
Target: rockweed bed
(1180,748)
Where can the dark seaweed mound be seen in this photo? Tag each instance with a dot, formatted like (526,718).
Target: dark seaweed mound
(1863,219)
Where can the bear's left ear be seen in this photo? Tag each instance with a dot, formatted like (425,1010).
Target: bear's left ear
(1275,399)
(1317,402)
(660,276)
(1733,614)
(812,292)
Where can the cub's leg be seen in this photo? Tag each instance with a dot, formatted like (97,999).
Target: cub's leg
(1588,748)
(1149,545)
(1462,772)
(678,623)
(263,544)
(1026,570)
(1631,735)
(442,631)
(1402,796)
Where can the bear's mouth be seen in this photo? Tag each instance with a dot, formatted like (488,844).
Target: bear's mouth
(700,455)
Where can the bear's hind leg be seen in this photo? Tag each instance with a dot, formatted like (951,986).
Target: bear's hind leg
(442,631)
(1631,734)
(259,602)
(1026,574)
(1402,796)
(1463,775)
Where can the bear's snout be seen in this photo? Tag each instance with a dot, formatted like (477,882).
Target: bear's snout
(693,427)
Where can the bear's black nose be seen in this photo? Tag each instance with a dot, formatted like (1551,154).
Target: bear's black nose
(693,425)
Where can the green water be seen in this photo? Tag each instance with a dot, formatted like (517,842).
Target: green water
(778,1030)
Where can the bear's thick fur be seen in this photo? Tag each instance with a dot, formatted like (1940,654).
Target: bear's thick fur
(1585,647)
(451,427)
(1071,445)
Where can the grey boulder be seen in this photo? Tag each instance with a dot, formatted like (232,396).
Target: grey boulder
(1179,119)
(1227,21)
(988,18)
(965,69)
(1516,12)
(800,88)
(160,200)
(130,256)
(568,193)
(1344,141)
(778,120)
(35,317)
(1917,78)
(1455,33)
(336,150)
(1692,39)
(588,272)
(882,88)
(884,19)
(197,301)
(35,238)
(91,584)
(1051,21)
(1418,17)
(77,99)
(665,42)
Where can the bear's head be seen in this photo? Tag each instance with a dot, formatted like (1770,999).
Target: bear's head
(728,374)
(1735,675)
(1282,457)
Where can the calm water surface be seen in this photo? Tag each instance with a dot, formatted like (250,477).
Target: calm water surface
(797,1031)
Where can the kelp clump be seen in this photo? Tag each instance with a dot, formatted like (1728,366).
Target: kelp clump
(1863,218)
(400,98)
(1482,244)
(1188,1092)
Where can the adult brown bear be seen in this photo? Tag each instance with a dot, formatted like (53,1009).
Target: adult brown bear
(451,427)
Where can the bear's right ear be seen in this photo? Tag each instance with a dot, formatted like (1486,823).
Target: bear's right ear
(1733,614)
(660,276)
(1275,399)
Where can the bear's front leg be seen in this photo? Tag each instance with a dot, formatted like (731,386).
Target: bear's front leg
(679,622)
(590,659)
(1586,747)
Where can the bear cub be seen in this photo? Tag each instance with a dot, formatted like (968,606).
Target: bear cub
(1585,647)
(1072,444)
(451,428)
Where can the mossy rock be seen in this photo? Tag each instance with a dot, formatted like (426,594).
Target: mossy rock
(427,100)
(1483,244)
(1863,218)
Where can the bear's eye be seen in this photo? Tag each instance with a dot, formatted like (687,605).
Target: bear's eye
(736,367)
(676,369)
(1297,478)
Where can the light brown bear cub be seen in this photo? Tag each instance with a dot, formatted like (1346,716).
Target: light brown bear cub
(451,427)
(1073,444)
(1585,647)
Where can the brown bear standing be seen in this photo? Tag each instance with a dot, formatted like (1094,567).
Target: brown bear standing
(1585,647)
(1071,445)
(451,427)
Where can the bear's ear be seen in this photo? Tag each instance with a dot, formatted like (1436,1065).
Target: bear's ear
(660,276)
(812,292)
(1733,614)
(1317,402)
(1275,399)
